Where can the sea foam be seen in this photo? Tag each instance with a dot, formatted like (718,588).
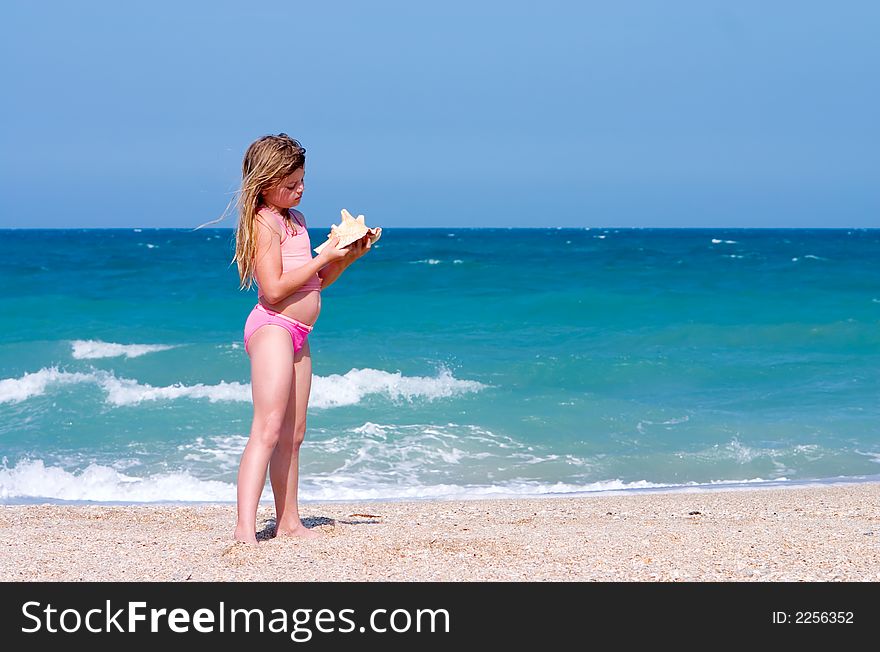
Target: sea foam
(15,390)
(327,392)
(32,479)
(350,389)
(124,391)
(92,349)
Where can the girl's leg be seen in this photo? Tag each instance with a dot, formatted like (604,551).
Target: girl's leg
(284,465)
(272,381)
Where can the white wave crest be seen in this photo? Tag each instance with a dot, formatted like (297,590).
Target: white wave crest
(32,479)
(91,349)
(327,392)
(336,390)
(124,391)
(15,390)
(120,391)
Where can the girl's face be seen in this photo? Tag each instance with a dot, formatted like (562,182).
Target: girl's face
(288,192)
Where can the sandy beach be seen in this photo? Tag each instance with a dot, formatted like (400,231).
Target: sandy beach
(816,533)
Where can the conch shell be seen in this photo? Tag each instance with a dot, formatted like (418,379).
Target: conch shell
(350,230)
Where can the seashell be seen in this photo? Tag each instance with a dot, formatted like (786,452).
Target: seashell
(349,230)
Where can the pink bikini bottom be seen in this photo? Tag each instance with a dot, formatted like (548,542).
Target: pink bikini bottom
(260,316)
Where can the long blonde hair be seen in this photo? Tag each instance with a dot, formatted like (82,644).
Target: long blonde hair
(267,161)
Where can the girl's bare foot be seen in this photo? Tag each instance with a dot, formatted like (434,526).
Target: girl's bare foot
(244,536)
(301,531)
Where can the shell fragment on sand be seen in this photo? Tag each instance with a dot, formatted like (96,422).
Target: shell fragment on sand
(350,230)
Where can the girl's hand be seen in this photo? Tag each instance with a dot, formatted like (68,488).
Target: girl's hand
(359,248)
(330,252)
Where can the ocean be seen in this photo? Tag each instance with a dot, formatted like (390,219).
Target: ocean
(449,363)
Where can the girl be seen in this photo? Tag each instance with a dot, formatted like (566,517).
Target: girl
(272,247)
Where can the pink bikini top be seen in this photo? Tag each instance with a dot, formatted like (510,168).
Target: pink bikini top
(296,248)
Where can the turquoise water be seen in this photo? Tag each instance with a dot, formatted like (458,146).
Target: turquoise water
(448,362)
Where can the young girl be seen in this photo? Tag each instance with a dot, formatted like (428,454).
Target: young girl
(273,248)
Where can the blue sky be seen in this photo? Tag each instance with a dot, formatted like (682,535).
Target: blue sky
(642,113)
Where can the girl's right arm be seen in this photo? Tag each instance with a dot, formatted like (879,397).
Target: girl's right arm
(274,284)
